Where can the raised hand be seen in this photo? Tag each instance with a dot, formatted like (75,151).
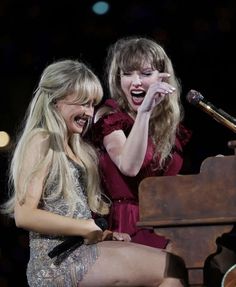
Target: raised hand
(156,93)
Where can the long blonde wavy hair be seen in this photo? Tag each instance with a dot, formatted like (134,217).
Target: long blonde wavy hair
(129,54)
(57,81)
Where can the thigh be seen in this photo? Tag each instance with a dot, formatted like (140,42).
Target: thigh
(126,264)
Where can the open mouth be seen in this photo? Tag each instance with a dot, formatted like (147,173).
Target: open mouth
(80,121)
(138,97)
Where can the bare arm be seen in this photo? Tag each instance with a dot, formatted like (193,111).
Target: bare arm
(30,217)
(128,153)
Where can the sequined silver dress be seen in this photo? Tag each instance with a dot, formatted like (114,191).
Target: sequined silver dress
(41,270)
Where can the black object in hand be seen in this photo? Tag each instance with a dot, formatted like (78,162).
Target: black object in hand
(74,242)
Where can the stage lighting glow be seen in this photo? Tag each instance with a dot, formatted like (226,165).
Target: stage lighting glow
(100,7)
(4,139)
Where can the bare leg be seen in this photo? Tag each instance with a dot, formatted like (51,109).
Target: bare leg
(129,264)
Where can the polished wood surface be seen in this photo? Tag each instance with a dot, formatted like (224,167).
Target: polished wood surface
(192,210)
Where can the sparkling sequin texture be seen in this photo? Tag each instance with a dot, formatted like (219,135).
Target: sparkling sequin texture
(41,271)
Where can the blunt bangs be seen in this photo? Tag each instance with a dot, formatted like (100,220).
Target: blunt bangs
(88,89)
(135,55)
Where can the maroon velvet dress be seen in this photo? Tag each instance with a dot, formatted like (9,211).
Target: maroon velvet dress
(123,190)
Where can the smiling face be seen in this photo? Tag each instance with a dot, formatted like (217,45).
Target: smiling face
(75,114)
(135,84)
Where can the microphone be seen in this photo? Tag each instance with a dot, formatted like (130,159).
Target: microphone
(196,99)
(63,249)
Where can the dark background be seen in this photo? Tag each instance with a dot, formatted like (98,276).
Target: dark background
(198,36)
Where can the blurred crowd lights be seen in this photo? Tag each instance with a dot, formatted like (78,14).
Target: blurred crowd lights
(4,139)
(100,7)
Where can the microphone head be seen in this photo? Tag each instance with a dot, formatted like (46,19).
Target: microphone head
(194,97)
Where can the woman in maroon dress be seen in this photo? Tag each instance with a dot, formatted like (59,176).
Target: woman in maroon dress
(138,131)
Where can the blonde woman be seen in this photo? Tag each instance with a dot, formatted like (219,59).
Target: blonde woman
(56,188)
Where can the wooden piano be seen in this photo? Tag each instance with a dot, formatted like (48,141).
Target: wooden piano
(192,210)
